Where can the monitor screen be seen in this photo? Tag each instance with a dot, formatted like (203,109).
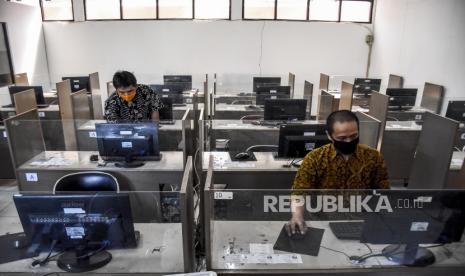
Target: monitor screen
(39,92)
(78,83)
(366,86)
(297,140)
(401,98)
(265,81)
(128,141)
(456,110)
(184,81)
(285,109)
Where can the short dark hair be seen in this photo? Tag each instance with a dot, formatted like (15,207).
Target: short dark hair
(124,79)
(341,116)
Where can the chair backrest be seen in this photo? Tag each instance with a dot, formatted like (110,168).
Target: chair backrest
(87,182)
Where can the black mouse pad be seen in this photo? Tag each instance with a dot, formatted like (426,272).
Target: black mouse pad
(9,253)
(233,153)
(308,244)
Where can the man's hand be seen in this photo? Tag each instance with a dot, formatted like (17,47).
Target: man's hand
(296,225)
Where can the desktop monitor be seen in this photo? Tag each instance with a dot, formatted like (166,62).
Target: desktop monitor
(265,82)
(175,92)
(185,81)
(39,92)
(456,111)
(365,87)
(81,225)
(166,113)
(285,109)
(78,83)
(273,93)
(128,142)
(297,140)
(401,98)
(417,217)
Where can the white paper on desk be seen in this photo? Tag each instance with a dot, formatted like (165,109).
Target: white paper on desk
(239,165)
(261,248)
(263,258)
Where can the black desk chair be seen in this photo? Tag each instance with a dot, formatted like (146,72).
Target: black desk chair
(87,182)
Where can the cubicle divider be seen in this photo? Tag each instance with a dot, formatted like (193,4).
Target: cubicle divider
(24,101)
(324,82)
(110,88)
(25,137)
(291,83)
(345,101)
(67,114)
(432,98)
(369,129)
(395,81)
(433,154)
(21,79)
(308,95)
(187,206)
(326,105)
(378,109)
(95,97)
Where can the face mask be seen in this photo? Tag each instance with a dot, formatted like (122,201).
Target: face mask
(346,147)
(128,97)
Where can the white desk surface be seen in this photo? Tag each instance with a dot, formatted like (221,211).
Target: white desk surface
(247,125)
(265,162)
(238,235)
(50,108)
(90,125)
(234,107)
(80,161)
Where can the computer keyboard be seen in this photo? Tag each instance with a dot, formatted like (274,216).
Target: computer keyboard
(350,230)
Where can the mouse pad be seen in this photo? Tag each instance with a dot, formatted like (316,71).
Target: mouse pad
(308,244)
(9,253)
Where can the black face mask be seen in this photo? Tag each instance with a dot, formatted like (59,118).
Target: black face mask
(346,147)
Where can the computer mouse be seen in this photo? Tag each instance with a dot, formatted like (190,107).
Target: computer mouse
(242,156)
(355,259)
(21,242)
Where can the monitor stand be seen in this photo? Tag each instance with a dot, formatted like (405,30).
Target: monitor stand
(129,162)
(83,259)
(409,255)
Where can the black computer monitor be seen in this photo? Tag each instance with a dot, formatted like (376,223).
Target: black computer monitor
(285,109)
(166,113)
(365,87)
(78,83)
(265,82)
(297,140)
(273,93)
(401,98)
(417,217)
(173,91)
(456,110)
(185,81)
(39,92)
(82,225)
(128,142)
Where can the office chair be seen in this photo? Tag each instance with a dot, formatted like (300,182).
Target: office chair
(87,182)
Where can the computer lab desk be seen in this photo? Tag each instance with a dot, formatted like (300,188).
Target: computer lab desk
(51,125)
(38,175)
(265,173)
(236,112)
(236,237)
(242,134)
(159,252)
(169,136)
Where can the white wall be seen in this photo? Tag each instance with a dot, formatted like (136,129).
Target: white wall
(27,45)
(422,40)
(153,48)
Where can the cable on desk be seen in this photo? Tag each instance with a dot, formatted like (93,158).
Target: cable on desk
(46,259)
(395,119)
(337,251)
(52,273)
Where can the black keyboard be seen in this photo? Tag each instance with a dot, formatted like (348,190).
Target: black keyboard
(167,122)
(350,230)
